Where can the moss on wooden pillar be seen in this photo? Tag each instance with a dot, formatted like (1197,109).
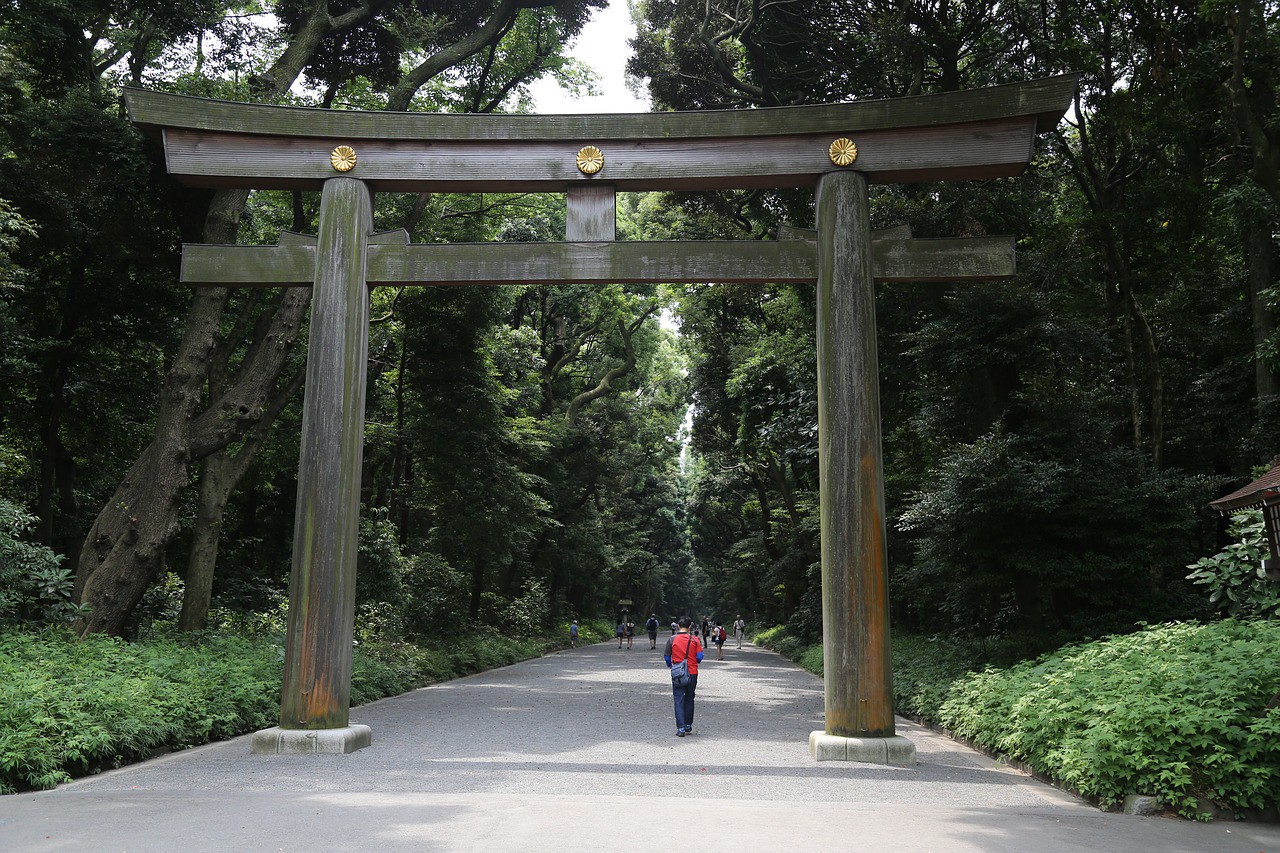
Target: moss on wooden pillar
(317,665)
(855,616)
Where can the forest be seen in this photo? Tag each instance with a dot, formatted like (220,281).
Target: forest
(535,454)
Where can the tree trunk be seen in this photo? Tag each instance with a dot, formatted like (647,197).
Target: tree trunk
(477,587)
(223,471)
(1260,253)
(125,546)
(216,484)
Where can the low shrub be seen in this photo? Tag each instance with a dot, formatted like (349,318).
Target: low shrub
(1234,577)
(70,707)
(780,639)
(1177,711)
(35,586)
(924,670)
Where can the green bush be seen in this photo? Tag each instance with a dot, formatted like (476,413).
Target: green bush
(1234,576)
(1177,711)
(70,707)
(34,585)
(781,640)
(924,669)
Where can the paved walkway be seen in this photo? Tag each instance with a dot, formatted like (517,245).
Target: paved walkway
(577,751)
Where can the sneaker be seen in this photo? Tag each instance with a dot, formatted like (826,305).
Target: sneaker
(680,732)
(688,730)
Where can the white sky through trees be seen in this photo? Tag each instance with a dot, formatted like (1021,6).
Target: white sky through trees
(602,44)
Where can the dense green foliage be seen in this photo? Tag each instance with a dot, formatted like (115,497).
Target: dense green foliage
(34,585)
(70,707)
(1234,576)
(1050,441)
(1178,711)
(1183,712)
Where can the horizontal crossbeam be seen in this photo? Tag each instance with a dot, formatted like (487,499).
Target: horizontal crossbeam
(975,134)
(992,149)
(1045,100)
(792,260)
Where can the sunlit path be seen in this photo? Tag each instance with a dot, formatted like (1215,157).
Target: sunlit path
(576,750)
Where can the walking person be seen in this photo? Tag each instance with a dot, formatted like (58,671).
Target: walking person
(573,634)
(739,630)
(620,631)
(631,632)
(684,648)
(652,627)
(718,633)
(706,630)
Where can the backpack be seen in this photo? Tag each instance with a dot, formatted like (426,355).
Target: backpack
(722,634)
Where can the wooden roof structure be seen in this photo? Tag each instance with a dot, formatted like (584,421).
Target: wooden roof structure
(1261,492)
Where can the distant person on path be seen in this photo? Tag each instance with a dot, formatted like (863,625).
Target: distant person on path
(718,633)
(674,628)
(739,630)
(684,646)
(706,629)
(631,632)
(652,627)
(621,630)
(573,634)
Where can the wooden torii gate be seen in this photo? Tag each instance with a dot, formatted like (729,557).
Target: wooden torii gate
(836,148)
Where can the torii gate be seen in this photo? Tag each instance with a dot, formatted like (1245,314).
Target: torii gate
(837,148)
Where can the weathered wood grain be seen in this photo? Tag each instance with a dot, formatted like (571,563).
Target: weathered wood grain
(995,148)
(396,264)
(1046,100)
(855,603)
(590,213)
(896,256)
(322,584)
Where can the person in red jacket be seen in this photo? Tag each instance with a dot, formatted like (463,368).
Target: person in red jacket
(684,646)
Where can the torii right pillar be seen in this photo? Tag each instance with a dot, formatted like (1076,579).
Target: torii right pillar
(858,676)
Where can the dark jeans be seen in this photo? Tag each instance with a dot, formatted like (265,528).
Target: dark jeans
(684,702)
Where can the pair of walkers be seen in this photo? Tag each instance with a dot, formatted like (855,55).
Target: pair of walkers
(626,630)
(684,648)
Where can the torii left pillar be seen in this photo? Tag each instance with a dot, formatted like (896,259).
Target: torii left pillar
(315,702)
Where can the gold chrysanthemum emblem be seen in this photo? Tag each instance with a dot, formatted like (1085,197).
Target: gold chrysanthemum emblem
(843,152)
(590,160)
(343,158)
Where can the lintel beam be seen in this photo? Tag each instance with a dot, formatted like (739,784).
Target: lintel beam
(983,133)
(794,260)
(1045,100)
(989,149)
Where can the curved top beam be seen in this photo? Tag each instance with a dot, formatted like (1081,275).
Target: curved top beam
(1046,100)
(982,133)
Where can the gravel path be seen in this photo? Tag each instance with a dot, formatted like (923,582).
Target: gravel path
(578,748)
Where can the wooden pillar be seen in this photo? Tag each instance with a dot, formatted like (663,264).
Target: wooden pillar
(322,585)
(855,615)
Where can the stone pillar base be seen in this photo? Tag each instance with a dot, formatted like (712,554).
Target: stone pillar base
(894,750)
(276,740)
